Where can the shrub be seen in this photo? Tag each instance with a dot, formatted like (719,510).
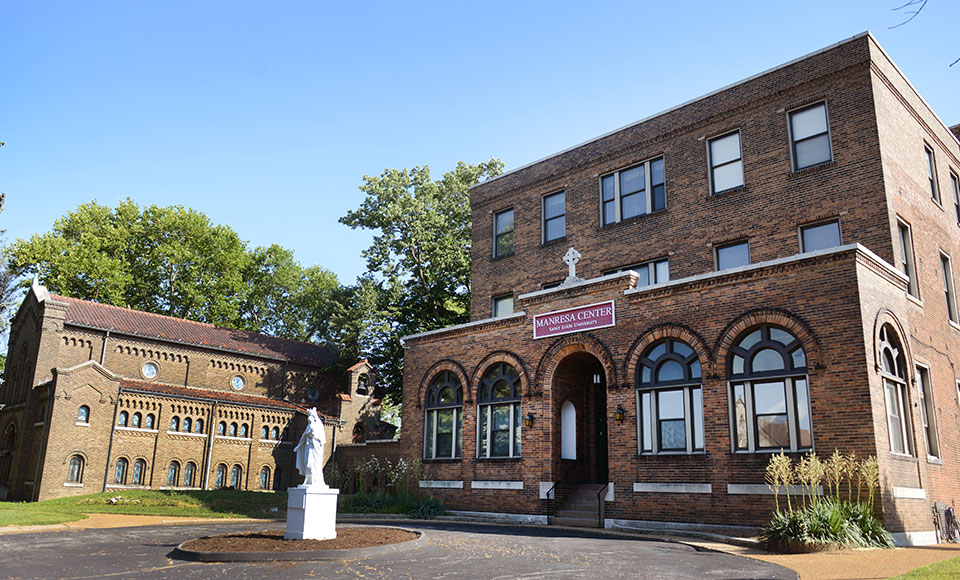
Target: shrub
(429,507)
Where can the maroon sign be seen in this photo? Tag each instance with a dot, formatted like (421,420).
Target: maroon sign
(574,320)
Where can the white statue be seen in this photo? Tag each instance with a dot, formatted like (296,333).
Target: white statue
(310,451)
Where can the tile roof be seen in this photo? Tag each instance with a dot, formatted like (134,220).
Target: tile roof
(149,325)
(222,396)
(358,365)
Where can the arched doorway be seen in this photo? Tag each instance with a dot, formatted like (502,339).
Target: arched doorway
(580,383)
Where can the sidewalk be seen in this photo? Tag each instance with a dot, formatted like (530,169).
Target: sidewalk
(121,521)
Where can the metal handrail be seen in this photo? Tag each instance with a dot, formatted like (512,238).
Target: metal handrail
(601,504)
(552,499)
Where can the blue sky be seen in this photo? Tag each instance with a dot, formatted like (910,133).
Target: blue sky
(267,115)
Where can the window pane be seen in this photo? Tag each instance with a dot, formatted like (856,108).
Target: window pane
(681,348)
(813,151)
(553,205)
(725,149)
(609,212)
(503,306)
(645,427)
(505,222)
(670,404)
(728,176)
(428,430)
(799,359)
(781,336)
(672,435)
(632,180)
(484,423)
(697,404)
(505,243)
(556,228)
(458,437)
(750,340)
(808,122)
(695,369)
(767,360)
(656,172)
(769,398)
(733,256)
(516,430)
(501,418)
(804,430)
(670,370)
(643,271)
(772,431)
(662,271)
(740,412)
(737,365)
(821,236)
(893,417)
(608,186)
(632,205)
(445,433)
(658,197)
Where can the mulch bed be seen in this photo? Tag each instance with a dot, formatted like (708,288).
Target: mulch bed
(272,541)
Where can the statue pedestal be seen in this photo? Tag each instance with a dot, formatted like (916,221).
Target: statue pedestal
(311,513)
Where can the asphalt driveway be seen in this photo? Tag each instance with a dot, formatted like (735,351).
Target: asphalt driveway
(451,551)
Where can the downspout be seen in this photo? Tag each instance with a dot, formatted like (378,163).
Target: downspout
(103,351)
(113,430)
(43,443)
(210,427)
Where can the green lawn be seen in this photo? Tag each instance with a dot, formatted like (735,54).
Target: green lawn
(946,569)
(204,504)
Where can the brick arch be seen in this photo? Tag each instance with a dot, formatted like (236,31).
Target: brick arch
(572,344)
(661,331)
(776,317)
(503,356)
(438,367)
(886,316)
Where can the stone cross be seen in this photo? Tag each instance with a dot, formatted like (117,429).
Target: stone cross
(571,258)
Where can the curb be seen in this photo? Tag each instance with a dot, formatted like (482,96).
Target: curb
(304,555)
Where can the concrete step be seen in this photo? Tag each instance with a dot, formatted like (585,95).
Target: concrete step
(582,514)
(575,522)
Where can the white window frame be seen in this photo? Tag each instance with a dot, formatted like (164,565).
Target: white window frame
(544,219)
(652,270)
(711,167)
(430,418)
(717,248)
(955,184)
(928,414)
(898,385)
(931,161)
(908,264)
(806,227)
(949,288)
(647,192)
(793,143)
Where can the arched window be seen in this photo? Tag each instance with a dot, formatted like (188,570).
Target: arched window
(769,397)
(443,433)
(175,423)
(275,433)
(198,426)
(264,432)
(265,478)
(362,385)
(122,418)
(233,429)
(120,473)
(139,466)
(235,474)
(278,479)
(8,444)
(173,474)
(187,424)
(221,475)
(670,398)
(188,472)
(244,430)
(75,472)
(221,428)
(893,369)
(498,430)
(136,420)
(149,421)
(83,414)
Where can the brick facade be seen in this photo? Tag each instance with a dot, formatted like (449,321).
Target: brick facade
(160,404)
(834,301)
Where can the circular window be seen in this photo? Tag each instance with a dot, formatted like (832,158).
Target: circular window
(313,394)
(149,370)
(238,383)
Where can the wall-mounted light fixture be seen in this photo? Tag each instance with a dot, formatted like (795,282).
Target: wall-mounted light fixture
(619,414)
(528,420)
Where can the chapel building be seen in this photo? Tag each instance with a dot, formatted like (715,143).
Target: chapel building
(657,311)
(101,398)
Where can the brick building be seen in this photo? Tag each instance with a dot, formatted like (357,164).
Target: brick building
(101,398)
(765,268)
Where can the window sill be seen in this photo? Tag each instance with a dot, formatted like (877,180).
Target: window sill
(81,424)
(771,451)
(934,460)
(903,457)
(143,430)
(443,460)
(68,484)
(813,168)
(556,242)
(953,324)
(499,459)
(726,192)
(186,433)
(915,300)
(503,257)
(230,437)
(672,453)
